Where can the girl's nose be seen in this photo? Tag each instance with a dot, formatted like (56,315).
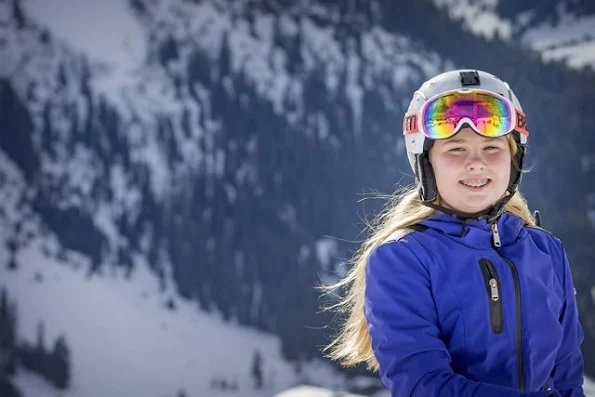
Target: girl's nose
(475,163)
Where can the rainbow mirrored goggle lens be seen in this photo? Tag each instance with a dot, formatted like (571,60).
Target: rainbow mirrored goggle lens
(443,116)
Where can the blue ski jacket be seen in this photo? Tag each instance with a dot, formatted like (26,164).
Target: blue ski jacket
(472,309)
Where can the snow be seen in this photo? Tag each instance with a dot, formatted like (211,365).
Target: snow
(120,334)
(478,16)
(571,29)
(326,251)
(121,50)
(123,340)
(572,39)
(106,30)
(577,55)
(311,391)
(589,387)
(591,216)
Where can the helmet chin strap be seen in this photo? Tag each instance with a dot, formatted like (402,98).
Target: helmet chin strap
(491,214)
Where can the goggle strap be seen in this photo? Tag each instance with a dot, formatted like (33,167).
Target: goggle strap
(410,124)
(521,123)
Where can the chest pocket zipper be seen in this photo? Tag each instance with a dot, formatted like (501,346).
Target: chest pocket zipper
(492,284)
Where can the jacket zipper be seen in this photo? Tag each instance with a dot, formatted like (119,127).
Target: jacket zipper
(519,318)
(492,282)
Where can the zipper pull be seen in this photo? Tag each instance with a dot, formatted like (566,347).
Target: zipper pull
(494,289)
(496,235)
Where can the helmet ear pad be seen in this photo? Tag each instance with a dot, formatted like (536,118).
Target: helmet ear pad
(428,191)
(516,168)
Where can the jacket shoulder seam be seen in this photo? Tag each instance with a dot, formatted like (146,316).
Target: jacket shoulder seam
(401,233)
(540,229)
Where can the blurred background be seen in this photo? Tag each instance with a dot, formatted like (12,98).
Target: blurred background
(177,176)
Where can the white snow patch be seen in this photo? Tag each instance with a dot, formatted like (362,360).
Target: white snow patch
(478,16)
(312,391)
(124,342)
(106,30)
(591,216)
(573,39)
(589,387)
(122,339)
(326,249)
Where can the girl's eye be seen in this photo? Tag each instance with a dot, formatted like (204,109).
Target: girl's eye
(492,147)
(456,149)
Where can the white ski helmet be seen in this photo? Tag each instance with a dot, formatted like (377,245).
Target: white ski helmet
(418,144)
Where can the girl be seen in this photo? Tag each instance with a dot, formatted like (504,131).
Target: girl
(456,292)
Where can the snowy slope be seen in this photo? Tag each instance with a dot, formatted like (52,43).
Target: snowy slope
(571,39)
(119,330)
(306,391)
(310,391)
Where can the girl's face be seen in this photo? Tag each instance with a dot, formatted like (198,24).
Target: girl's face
(472,172)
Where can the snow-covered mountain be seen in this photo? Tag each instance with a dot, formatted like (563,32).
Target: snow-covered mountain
(127,336)
(175,176)
(92,90)
(558,29)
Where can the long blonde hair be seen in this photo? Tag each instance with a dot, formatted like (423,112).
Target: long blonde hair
(352,345)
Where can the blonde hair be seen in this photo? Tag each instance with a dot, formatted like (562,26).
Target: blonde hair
(352,345)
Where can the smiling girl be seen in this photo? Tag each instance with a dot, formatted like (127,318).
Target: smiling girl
(456,292)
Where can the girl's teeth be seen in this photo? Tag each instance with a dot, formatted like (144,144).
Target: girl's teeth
(475,183)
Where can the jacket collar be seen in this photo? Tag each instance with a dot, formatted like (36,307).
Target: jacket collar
(477,233)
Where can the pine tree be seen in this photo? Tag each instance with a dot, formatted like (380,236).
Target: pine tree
(257,369)
(17,13)
(7,334)
(39,357)
(59,360)
(40,345)
(3,317)
(7,389)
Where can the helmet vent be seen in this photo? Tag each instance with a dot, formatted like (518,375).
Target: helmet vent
(469,78)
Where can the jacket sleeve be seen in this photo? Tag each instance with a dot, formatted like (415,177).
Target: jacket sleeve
(568,368)
(403,326)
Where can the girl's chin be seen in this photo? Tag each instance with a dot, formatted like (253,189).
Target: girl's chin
(467,209)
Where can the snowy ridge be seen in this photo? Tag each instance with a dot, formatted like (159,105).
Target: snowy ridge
(71,89)
(572,39)
(254,54)
(145,94)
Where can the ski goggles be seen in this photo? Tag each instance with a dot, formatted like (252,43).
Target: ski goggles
(443,115)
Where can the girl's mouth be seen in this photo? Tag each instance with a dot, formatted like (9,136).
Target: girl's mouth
(475,183)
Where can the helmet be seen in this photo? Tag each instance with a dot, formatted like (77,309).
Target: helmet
(418,145)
